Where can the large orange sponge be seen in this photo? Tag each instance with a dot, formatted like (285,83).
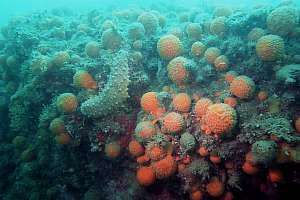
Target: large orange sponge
(201,107)
(220,118)
(169,46)
(165,167)
(145,176)
(83,79)
(270,48)
(66,102)
(182,102)
(173,122)
(242,87)
(178,70)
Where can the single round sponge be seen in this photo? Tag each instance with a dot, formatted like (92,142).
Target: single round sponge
(220,118)
(211,54)
(57,126)
(283,20)
(201,107)
(270,48)
(66,102)
(83,79)
(242,87)
(182,102)
(178,70)
(144,131)
(169,46)
(149,21)
(135,148)
(150,102)
(221,63)
(112,150)
(218,26)
(92,49)
(173,122)
(165,167)
(145,176)
(215,187)
(198,49)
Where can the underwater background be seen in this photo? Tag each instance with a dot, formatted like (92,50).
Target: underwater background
(149,100)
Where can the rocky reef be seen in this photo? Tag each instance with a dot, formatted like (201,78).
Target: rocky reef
(167,102)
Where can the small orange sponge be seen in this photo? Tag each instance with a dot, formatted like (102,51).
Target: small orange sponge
(66,102)
(145,176)
(83,79)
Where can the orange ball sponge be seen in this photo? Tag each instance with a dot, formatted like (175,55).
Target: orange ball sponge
(215,187)
(155,152)
(66,102)
(201,107)
(211,54)
(173,122)
(270,48)
(150,102)
(249,168)
(135,148)
(220,118)
(177,70)
(242,87)
(182,102)
(145,176)
(165,167)
(83,79)
(144,131)
(112,150)
(169,46)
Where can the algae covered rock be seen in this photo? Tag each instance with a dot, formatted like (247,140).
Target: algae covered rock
(187,141)
(288,74)
(264,151)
